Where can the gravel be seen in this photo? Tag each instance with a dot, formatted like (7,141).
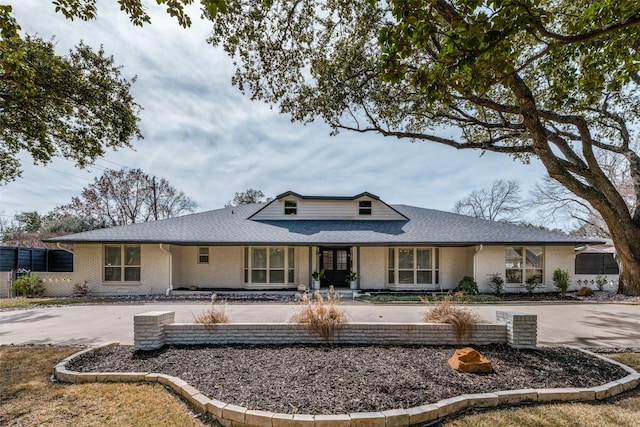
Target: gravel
(343,379)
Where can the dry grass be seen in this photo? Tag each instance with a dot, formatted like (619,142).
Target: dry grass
(319,315)
(616,412)
(464,321)
(28,398)
(214,314)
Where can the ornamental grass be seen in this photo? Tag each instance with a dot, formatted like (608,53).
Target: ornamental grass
(320,315)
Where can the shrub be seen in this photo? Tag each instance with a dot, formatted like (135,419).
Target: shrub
(320,316)
(531,284)
(80,290)
(496,283)
(29,285)
(464,321)
(215,314)
(469,285)
(584,292)
(601,281)
(561,280)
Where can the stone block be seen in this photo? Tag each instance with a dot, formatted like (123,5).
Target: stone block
(281,420)
(558,394)
(396,418)
(470,361)
(482,400)
(332,421)
(258,418)
(452,405)
(516,396)
(215,408)
(234,413)
(368,419)
(302,420)
(424,413)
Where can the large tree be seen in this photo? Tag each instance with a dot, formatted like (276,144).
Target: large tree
(500,202)
(247,197)
(121,197)
(73,106)
(552,79)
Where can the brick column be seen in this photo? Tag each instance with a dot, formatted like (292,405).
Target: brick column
(522,328)
(148,329)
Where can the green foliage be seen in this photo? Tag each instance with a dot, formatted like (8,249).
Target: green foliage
(554,80)
(496,282)
(532,283)
(351,277)
(382,299)
(318,275)
(561,280)
(73,107)
(601,281)
(29,285)
(469,285)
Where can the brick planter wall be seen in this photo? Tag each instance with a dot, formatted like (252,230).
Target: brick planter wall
(154,329)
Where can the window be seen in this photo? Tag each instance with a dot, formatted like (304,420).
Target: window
(597,263)
(364,207)
(524,263)
(269,265)
(203,255)
(414,266)
(290,207)
(121,263)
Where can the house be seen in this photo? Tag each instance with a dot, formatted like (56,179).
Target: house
(278,245)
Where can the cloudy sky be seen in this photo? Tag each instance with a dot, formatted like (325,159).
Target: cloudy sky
(210,141)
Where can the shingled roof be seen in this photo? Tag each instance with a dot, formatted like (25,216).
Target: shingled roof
(232,226)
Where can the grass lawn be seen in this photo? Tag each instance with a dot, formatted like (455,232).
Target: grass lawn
(20,302)
(27,397)
(381,299)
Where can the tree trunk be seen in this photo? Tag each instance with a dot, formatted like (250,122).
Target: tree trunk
(629,281)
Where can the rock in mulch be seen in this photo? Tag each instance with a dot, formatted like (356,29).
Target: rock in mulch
(470,361)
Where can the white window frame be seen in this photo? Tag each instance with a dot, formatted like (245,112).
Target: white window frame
(124,265)
(292,209)
(393,271)
(203,251)
(365,207)
(522,267)
(288,266)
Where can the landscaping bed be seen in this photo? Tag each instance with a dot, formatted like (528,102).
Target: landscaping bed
(344,379)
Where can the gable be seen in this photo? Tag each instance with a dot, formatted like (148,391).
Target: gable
(293,206)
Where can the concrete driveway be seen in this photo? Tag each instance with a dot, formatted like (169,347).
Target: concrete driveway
(585,325)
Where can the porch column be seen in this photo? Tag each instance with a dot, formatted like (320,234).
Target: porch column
(358,267)
(309,281)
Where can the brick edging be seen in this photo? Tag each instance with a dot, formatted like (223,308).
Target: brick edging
(229,414)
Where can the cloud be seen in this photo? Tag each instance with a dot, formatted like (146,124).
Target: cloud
(210,141)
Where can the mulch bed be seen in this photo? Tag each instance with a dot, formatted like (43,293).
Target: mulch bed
(344,379)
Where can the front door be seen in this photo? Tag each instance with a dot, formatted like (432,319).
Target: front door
(336,263)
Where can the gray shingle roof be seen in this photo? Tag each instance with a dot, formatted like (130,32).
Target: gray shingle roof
(231,226)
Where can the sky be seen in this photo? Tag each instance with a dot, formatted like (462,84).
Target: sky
(210,141)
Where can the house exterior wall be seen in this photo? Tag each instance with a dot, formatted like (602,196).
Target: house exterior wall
(455,263)
(154,271)
(327,210)
(373,266)
(492,259)
(225,267)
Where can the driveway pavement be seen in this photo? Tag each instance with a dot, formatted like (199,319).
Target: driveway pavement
(585,325)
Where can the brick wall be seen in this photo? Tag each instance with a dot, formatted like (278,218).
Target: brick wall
(155,329)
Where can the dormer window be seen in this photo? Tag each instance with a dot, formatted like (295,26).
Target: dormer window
(364,207)
(290,207)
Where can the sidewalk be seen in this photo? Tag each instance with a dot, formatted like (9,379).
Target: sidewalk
(584,325)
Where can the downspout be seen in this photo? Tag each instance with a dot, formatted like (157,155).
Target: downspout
(478,250)
(170,288)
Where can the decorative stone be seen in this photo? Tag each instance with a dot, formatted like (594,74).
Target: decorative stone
(468,360)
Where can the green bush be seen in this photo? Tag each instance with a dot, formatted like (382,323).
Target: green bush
(532,283)
(469,285)
(496,283)
(29,285)
(561,280)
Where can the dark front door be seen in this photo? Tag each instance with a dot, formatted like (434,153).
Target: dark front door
(337,264)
